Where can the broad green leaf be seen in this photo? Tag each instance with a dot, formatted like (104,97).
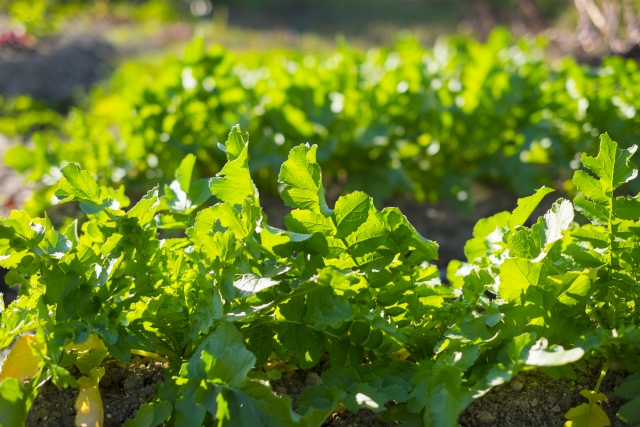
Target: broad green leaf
(516,275)
(630,387)
(233,183)
(260,342)
(597,214)
(13,403)
(302,342)
(445,404)
(223,357)
(331,311)
(241,222)
(79,184)
(405,236)
(184,172)
(364,396)
(369,236)
(321,398)
(188,413)
(24,226)
(255,405)
(572,286)
(590,187)
(145,209)
(611,165)
(526,206)
(308,222)
(150,415)
(487,236)
(627,208)
(235,143)
(630,411)
(350,212)
(302,180)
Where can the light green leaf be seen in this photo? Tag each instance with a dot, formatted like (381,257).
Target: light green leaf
(590,187)
(627,208)
(309,222)
(302,179)
(235,143)
(350,212)
(597,214)
(516,275)
(233,183)
(146,208)
(612,165)
(369,236)
(405,236)
(19,158)
(526,206)
(13,403)
(184,171)
(78,184)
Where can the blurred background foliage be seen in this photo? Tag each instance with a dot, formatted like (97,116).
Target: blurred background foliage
(376,21)
(419,97)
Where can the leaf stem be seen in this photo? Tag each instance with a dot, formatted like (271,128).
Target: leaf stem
(603,373)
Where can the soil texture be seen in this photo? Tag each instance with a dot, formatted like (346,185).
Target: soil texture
(123,388)
(535,399)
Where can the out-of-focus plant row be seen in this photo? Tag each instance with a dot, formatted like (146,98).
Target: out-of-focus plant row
(408,119)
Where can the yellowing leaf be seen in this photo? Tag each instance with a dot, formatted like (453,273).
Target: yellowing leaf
(588,414)
(22,363)
(90,353)
(93,344)
(90,412)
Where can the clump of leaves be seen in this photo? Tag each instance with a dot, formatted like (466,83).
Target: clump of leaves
(231,297)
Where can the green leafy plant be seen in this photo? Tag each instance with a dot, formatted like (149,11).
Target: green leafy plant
(407,119)
(231,293)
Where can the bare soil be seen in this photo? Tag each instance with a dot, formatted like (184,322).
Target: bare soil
(123,388)
(535,399)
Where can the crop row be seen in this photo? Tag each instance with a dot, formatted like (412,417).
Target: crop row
(233,302)
(405,120)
